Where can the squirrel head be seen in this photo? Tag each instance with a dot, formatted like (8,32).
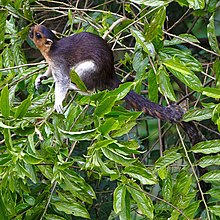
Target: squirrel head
(43,38)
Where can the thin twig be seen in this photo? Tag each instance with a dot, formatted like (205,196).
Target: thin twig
(189,42)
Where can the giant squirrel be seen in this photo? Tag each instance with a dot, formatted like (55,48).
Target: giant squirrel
(92,59)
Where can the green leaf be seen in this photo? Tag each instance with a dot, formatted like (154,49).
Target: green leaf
(4,159)
(167,159)
(156,23)
(192,81)
(151,3)
(167,188)
(7,138)
(126,211)
(105,106)
(3,17)
(211,92)
(185,37)
(215,210)
(147,46)
(117,157)
(211,177)
(23,107)
(191,210)
(196,4)
(71,208)
(119,198)
(176,65)
(165,86)
(152,86)
(212,35)
(79,135)
(109,125)
(207,147)
(53,217)
(5,106)
(209,161)
(77,81)
(142,174)
(215,193)
(198,114)
(32,159)
(122,90)
(144,203)
(2,125)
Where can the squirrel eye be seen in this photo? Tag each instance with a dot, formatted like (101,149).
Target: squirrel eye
(38,35)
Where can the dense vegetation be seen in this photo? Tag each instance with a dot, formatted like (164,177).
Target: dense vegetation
(100,160)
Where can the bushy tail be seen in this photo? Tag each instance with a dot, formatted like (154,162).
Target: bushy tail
(172,113)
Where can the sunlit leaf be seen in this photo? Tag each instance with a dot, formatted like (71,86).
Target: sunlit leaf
(143,201)
(5,106)
(211,177)
(143,175)
(119,198)
(207,147)
(212,35)
(167,159)
(77,81)
(211,92)
(198,114)
(23,108)
(209,161)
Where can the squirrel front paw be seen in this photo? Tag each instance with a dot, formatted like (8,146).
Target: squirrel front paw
(38,81)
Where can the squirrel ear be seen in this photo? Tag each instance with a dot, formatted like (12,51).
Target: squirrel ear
(48,42)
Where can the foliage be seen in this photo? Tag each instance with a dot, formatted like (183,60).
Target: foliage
(99,160)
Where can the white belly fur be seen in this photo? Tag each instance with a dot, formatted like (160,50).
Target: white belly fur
(84,67)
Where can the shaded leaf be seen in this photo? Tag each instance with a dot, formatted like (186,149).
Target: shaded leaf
(23,107)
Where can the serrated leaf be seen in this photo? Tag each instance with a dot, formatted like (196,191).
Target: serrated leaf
(5,106)
(105,106)
(212,35)
(144,203)
(211,177)
(23,108)
(77,81)
(165,86)
(198,114)
(209,161)
(119,198)
(211,92)
(167,159)
(143,175)
(79,135)
(207,147)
